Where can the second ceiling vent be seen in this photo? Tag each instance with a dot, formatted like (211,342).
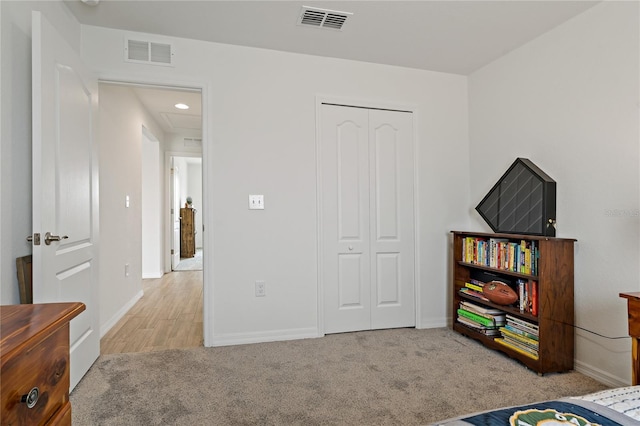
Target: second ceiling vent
(323,18)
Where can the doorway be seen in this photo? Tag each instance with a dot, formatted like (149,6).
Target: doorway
(186,217)
(150,111)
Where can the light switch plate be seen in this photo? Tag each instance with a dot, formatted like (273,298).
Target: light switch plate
(256,202)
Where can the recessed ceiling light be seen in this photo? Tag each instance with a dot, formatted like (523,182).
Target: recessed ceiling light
(182,106)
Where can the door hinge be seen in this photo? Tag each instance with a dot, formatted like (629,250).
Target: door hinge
(171,251)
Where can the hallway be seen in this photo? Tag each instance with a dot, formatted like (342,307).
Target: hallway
(168,316)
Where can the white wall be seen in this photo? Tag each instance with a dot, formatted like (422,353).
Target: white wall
(15,149)
(569,102)
(152,232)
(261,122)
(122,117)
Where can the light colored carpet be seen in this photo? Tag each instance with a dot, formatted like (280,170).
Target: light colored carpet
(385,377)
(190,263)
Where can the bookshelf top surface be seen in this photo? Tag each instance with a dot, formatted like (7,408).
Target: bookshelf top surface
(511,236)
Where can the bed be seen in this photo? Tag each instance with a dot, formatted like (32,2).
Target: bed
(619,406)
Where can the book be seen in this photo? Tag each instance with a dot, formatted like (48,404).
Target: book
(519,337)
(534,298)
(517,321)
(521,345)
(488,331)
(477,318)
(515,348)
(473,293)
(521,295)
(497,319)
(473,286)
(494,251)
(481,309)
(523,328)
(513,329)
(534,270)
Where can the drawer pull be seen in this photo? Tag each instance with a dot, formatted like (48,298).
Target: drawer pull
(31,399)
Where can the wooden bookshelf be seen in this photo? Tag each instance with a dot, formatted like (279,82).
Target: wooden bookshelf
(555,315)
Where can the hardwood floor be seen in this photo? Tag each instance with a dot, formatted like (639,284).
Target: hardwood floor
(168,316)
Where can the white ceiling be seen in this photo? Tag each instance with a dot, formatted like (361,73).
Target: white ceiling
(452,36)
(160,102)
(448,36)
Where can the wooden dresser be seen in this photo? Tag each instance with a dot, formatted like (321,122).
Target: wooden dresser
(633,312)
(34,363)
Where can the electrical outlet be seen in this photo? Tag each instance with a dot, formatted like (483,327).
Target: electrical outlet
(126,269)
(261,290)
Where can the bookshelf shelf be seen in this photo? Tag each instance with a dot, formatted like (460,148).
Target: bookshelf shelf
(553,280)
(501,271)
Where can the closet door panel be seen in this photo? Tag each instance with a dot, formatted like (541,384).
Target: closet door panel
(345,219)
(392,217)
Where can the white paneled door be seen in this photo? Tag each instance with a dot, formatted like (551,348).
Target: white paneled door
(367,218)
(65,188)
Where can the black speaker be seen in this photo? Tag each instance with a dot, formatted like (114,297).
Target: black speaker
(523,201)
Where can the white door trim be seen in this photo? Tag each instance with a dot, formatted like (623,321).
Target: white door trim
(207,219)
(370,104)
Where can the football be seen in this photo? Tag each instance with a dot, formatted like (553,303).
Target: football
(499,293)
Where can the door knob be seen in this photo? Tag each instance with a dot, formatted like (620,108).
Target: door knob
(48,238)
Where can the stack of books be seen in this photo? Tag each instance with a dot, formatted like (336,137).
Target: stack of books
(520,335)
(481,319)
(474,288)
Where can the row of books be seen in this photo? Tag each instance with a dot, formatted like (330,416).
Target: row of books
(500,253)
(528,296)
(520,335)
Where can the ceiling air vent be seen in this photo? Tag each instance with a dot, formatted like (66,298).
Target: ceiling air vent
(192,142)
(148,52)
(323,18)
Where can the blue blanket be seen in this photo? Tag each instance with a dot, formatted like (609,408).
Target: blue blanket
(554,413)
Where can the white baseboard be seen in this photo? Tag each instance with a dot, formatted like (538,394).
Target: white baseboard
(432,323)
(146,276)
(262,337)
(104,328)
(599,375)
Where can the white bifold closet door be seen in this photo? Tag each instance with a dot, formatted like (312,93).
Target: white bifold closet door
(367,180)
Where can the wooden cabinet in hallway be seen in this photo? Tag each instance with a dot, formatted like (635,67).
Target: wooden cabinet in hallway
(187,232)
